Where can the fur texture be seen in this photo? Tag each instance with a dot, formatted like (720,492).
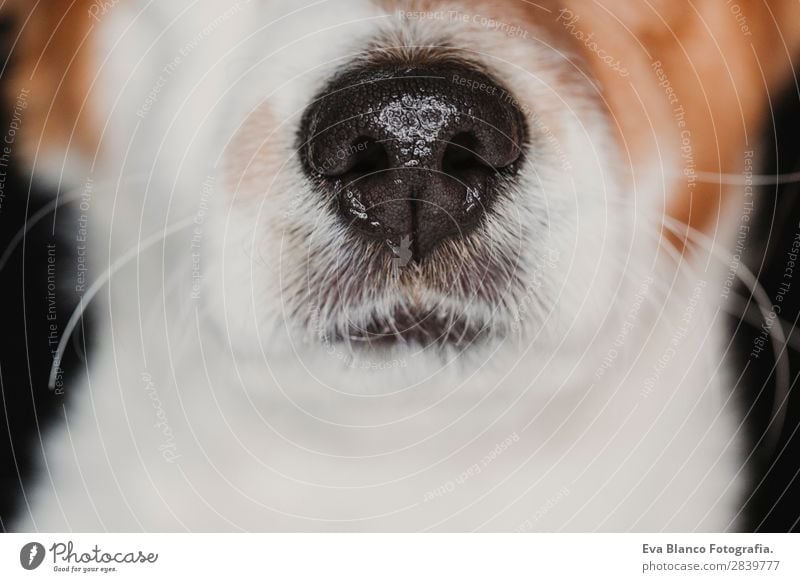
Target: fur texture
(224,393)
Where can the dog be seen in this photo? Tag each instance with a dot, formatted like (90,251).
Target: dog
(372,265)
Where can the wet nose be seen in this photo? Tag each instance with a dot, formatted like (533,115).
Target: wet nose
(413,155)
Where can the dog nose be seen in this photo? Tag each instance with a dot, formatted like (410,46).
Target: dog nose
(412,155)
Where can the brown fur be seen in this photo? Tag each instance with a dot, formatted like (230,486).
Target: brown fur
(722,74)
(52,62)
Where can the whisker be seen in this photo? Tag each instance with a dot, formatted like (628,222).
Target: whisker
(749,179)
(759,294)
(100,282)
(56,203)
(33,221)
(743,310)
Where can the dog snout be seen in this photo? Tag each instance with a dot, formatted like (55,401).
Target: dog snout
(413,154)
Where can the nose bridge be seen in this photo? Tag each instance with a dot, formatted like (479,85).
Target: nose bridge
(416,126)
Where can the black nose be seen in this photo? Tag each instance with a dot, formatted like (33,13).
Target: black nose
(413,155)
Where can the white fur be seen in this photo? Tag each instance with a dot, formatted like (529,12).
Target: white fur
(277,427)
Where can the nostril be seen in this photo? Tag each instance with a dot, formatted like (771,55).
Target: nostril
(460,156)
(366,156)
(362,156)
